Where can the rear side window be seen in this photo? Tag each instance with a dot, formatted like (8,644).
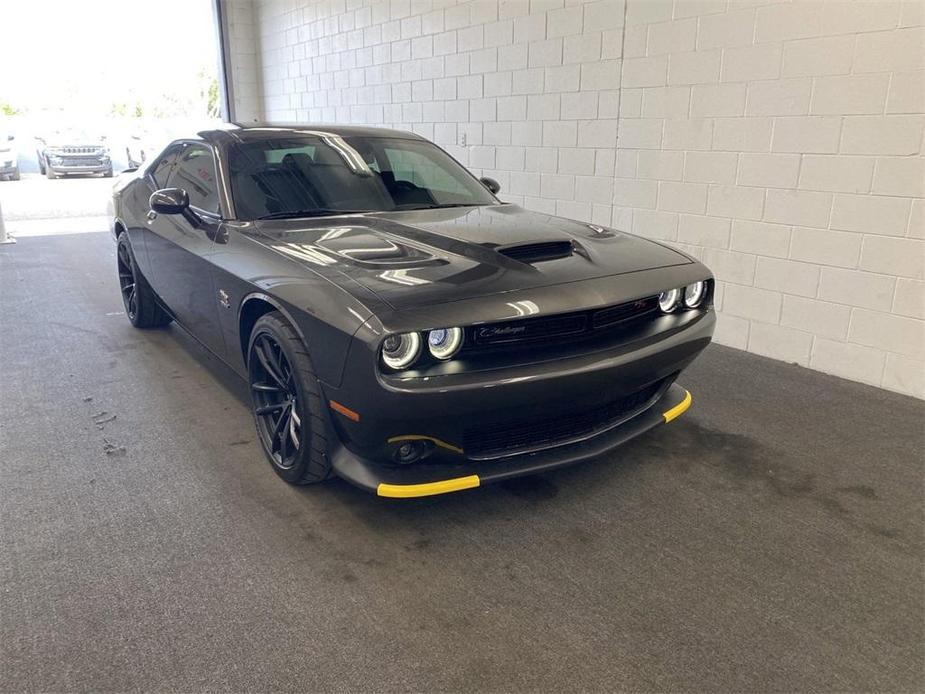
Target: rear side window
(195,173)
(160,170)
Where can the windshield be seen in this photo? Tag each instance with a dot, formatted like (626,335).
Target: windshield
(311,175)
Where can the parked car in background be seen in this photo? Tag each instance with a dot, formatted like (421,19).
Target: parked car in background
(399,325)
(9,158)
(73,152)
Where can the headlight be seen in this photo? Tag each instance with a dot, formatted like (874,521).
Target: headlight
(668,300)
(443,343)
(399,351)
(694,293)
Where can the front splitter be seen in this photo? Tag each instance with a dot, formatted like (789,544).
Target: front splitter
(428,480)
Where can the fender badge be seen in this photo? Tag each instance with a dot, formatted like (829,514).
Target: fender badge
(224,299)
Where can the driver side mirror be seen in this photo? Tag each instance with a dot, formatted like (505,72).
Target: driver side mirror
(491,184)
(169,201)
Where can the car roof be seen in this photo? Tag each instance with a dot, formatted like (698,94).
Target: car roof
(234,132)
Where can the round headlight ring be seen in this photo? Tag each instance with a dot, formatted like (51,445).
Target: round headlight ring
(668,300)
(694,294)
(443,343)
(400,351)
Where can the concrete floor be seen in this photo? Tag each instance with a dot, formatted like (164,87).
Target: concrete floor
(771,539)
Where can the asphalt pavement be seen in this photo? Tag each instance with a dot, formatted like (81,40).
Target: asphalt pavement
(771,539)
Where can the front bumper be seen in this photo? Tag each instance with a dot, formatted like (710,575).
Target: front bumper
(475,423)
(428,480)
(80,166)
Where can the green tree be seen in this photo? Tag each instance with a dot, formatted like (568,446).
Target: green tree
(7,109)
(213,108)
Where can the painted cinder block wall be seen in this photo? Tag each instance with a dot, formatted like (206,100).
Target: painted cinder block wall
(781,142)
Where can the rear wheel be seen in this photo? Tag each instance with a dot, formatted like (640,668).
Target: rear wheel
(286,399)
(141,306)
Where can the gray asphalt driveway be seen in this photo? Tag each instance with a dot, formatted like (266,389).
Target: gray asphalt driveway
(771,539)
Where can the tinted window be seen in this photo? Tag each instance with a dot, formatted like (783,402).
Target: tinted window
(321,173)
(195,173)
(160,169)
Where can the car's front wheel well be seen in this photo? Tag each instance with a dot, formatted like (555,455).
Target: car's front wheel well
(251,312)
(118,228)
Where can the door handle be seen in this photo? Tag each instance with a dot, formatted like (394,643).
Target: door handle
(152,215)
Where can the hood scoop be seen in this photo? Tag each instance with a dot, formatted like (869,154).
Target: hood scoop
(535,252)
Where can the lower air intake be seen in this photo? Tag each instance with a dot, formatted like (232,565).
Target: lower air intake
(514,438)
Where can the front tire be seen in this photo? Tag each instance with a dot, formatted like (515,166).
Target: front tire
(286,402)
(49,174)
(138,298)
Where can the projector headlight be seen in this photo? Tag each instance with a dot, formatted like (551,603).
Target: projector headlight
(443,343)
(668,300)
(694,293)
(399,351)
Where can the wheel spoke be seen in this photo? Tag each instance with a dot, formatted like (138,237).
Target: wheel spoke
(284,444)
(267,409)
(274,362)
(264,387)
(268,367)
(282,422)
(293,423)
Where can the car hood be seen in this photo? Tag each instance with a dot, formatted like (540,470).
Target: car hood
(422,257)
(52,143)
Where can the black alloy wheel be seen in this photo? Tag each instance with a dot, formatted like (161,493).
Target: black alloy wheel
(127,284)
(141,305)
(276,401)
(286,401)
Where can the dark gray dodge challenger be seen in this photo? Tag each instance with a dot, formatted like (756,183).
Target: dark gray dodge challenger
(398,325)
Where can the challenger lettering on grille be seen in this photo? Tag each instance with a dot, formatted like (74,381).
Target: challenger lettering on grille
(502,331)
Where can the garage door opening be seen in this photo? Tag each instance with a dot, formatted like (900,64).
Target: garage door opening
(98,90)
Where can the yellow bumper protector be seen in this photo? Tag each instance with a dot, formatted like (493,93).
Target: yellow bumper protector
(418,437)
(407,491)
(678,409)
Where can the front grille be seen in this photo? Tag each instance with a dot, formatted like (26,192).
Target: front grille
(612,315)
(548,330)
(544,432)
(536,252)
(529,330)
(79,150)
(79,161)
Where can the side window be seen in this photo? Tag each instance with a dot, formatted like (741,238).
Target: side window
(160,169)
(195,173)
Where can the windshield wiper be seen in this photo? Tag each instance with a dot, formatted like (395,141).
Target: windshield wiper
(316,212)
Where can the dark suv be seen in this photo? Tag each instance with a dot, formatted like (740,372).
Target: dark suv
(74,152)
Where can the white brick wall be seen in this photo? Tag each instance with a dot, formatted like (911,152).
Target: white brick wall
(781,142)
